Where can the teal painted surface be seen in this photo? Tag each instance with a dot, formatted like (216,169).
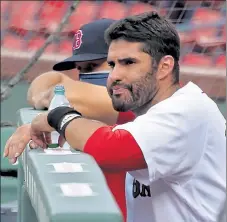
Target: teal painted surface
(222,107)
(8,184)
(17,100)
(8,189)
(6,132)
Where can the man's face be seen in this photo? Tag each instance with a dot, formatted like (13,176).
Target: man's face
(132,81)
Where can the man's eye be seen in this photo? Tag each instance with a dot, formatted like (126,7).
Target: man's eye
(111,64)
(129,62)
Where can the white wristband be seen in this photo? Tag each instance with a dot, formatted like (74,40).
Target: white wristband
(68,118)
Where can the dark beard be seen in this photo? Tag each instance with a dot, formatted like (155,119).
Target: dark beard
(141,93)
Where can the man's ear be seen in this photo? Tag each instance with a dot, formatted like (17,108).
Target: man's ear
(165,67)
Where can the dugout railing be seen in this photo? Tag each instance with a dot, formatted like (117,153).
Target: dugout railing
(66,185)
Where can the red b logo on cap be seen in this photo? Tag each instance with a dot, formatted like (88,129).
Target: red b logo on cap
(77,40)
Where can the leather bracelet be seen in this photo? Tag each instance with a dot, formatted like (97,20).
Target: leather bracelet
(56,116)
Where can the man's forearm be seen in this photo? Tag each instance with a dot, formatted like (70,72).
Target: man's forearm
(91,100)
(80,130)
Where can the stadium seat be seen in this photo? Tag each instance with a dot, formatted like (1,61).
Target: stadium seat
(195,59)
(201,16)
(138,8)
(85,12)
(212,42)
(113,10)
(208,38)
(186,37)
(65,47)
(4,16)
(221,61)
(4,7)
(37,42)
(205,23)
(23,15)
(51,14)
(14,42)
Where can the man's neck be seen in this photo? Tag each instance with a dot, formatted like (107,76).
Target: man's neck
(160,96)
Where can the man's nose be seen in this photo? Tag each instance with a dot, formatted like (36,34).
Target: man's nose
(116,74)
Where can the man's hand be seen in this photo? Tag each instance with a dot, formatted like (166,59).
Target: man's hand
(40,91)
(42,100)
(40,130)
(77,132)
(16,144)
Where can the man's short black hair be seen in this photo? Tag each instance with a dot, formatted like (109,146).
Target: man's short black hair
(159,36)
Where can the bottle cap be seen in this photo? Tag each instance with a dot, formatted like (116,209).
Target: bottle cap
(59,89)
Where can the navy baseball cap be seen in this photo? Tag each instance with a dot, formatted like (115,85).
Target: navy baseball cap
(88,44)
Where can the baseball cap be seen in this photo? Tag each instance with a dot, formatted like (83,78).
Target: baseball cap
(88,44)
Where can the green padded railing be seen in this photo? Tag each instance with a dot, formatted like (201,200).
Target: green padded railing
(63,186)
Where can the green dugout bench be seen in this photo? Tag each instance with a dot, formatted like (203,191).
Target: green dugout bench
(61,186)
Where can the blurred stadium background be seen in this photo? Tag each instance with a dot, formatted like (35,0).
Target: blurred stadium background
(25,25)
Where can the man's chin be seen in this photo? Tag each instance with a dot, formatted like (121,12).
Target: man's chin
(120,107)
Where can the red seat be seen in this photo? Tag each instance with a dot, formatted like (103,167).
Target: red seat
(4,7)
(186,37)
(65,47)
(204,15)
(211,42)
(138,8)
(221,61)
(85,12)
(113,10)
(4,11)
(208,37)
(23,15)
(37,42)
(194,59)
(14,42)
(201,18)
(51,14)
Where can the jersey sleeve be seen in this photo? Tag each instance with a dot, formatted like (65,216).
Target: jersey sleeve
(116,151)
(167,136)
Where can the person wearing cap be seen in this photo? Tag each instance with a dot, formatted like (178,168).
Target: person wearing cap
(89,57)
(89,45)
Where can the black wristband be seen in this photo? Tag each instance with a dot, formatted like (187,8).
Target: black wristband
(56,116)
(65,121)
